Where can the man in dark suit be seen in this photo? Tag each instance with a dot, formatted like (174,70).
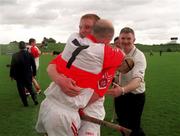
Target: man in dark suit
(22,70)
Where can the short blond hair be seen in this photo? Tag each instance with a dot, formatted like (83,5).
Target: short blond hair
(94,17)
(103,28)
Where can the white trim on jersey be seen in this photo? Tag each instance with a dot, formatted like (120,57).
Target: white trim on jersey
(90,59)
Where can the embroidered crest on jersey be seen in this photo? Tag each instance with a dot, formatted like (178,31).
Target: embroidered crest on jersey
(103,82)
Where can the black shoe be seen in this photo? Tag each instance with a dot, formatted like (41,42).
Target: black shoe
(26,105)
(36,103)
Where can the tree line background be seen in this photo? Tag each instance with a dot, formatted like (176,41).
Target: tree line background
(52,45)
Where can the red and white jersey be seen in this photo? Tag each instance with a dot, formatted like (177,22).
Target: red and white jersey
(93,67)
(34,50)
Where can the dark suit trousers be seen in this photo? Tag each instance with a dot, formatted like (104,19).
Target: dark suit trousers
(21,85)
(129,108)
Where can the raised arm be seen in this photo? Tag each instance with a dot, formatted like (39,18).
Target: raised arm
(135,82)
(119,90)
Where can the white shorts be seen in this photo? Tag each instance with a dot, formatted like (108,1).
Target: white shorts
(94,110)
(37,63)
(58,114)
(57,121)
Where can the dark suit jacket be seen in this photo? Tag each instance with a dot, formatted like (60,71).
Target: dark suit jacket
(22,66)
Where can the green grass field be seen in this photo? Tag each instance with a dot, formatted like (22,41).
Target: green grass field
(161,116)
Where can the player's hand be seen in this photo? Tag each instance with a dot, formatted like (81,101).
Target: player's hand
(69,87)
(115,91)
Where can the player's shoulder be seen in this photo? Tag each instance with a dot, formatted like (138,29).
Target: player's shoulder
(112,49)
(74,36)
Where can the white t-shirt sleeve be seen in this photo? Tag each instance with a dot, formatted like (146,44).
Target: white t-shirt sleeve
(139,67)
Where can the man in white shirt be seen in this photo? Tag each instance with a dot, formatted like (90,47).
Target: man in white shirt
(130,96)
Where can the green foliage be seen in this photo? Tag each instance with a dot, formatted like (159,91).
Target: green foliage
(14,42)
(51,40)
(9,49)
(53,47)
(157,48)
(169,50)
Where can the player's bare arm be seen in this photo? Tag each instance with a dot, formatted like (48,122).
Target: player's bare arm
(68,85)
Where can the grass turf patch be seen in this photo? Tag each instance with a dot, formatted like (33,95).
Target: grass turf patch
(161,114)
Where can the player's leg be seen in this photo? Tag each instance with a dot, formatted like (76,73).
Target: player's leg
(57,120)
(96,110)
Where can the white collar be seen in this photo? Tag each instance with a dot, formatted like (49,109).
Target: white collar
(132,52)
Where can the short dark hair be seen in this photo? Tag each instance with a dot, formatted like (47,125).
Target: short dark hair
(116,38)
(31,40)
(127,30)
(22,45)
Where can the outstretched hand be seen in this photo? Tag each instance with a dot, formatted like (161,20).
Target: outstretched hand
(115,91)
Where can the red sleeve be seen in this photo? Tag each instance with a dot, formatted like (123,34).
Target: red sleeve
(34,52)
(55,60)
(113,57)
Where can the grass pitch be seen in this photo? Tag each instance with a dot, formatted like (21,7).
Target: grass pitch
(161,114)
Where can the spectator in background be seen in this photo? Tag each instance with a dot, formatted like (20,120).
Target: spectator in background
(151,53)
(44,43)
(34,50)
(55,52)
(116,43)
(160,52)
(116,76)
(130,94)
(22,70)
